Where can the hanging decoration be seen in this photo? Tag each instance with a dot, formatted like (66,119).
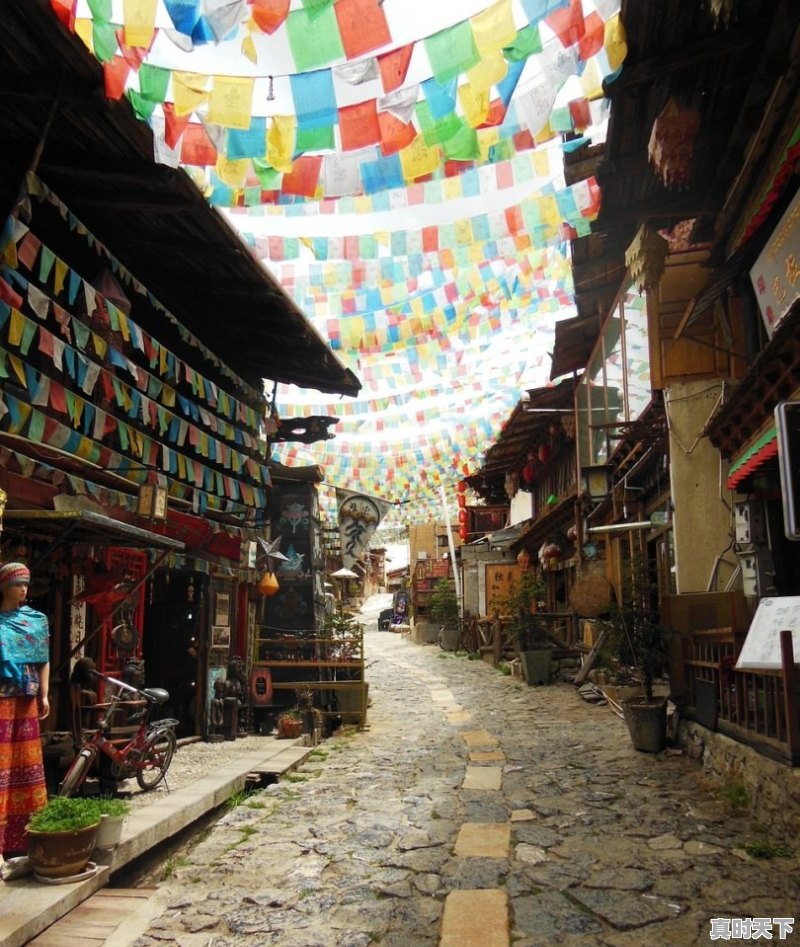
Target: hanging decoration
(672,141)
(646,258)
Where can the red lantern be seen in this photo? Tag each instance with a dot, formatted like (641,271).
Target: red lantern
(462,516)
(462,486)
(462,501)
(544,453)
(463,532)
(528,473)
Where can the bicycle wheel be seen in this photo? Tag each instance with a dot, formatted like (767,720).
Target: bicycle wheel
(156,757)
(76,774)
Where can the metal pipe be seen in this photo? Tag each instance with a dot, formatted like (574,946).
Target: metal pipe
(620,527)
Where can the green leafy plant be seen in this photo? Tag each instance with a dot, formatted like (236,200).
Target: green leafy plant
(523,594)
(764,847)
(635,638)
(66,814)
(112,806)
(443,604)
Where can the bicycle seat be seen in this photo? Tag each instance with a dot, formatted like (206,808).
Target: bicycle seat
(157,694)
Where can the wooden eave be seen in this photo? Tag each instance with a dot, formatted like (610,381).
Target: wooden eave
(97,158)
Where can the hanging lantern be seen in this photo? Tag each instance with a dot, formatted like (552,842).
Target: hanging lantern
(646,258)
(463,532)
(544,453)
(268,584)
(672,140)
(462,516)
(462,486)
(462,501)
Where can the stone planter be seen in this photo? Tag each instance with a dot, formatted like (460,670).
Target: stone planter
(61,854)
(536,665)
(647,723)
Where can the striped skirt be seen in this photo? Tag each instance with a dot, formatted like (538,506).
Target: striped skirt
(22,786)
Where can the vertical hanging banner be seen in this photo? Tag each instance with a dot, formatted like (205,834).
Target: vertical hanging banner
(359,516)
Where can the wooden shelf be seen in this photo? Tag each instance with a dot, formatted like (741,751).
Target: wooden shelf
(311,664)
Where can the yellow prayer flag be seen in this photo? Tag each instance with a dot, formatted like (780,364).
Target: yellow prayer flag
(249,46)
(61,270)
(475,104)
(231,101)
(615,42)
(549,213)
(463,230)
(168,397)
(486,138)
(163,365)
(476,253)
(280,142)
(140,21)
(83,30)
(232,172)
(19,368)
(491,70)
(15,327)
(451,188)
(494,28)
(544,134)
(100,345)
(541,163)
(189,91)
(362,204)
(123,325)
(418,159)
(84,448)
(10,254)
(592,81)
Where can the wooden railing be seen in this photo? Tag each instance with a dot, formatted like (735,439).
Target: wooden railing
(759,708)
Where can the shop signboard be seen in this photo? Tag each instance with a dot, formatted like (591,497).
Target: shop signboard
(775,273)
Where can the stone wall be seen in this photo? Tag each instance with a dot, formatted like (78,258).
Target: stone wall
(773,788)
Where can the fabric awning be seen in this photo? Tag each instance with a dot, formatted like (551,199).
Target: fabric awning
(765,448)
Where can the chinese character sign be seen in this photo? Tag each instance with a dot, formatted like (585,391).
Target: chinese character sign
(775,273)
(359,517)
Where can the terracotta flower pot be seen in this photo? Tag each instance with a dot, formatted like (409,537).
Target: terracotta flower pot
(61,854)
(289,728)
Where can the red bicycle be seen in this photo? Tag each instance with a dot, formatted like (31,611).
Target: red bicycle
(146,754)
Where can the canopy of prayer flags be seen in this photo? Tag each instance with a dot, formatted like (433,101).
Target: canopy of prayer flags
(399,167)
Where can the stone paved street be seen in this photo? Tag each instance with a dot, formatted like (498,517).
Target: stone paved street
(475,810)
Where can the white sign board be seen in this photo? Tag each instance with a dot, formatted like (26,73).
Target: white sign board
(775,273)
(762,646)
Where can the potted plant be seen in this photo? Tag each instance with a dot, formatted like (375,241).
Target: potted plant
(62,836)
(529,633)
(443,611)
(637,640)
(112,817)
(290,724)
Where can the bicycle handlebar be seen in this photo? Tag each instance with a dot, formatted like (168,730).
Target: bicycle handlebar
(122,684)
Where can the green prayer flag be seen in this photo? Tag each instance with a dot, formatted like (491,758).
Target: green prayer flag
(314,41)
(314,139)
(463,145)
(153,82)
(435,132)
(315,7)
(104,40)
(452,51)
(36,427)
(100,9)
(46,262)
(527,43)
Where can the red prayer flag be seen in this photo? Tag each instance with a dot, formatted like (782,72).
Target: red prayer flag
(362,26)
(115,74)
(592,40)
(65,11)
(197,147)
(174,125)
(514,220)
(504,174)
(134,55)
(304,176)
(394,66)
(523,141)
(395,134)
(269,14)
(430,239)
(358,125)
(581,116)
(9,295)
(495,115)
(567,23)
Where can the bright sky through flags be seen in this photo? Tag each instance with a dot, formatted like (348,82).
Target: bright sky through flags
(398,166)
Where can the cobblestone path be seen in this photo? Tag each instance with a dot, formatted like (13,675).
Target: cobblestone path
(475,810)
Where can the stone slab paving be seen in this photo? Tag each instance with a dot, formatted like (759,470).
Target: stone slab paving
(605,847)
